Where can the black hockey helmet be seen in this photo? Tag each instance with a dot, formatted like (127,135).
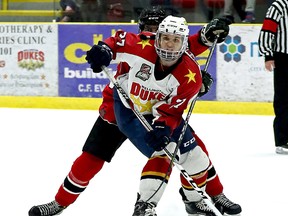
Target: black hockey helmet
(151,16)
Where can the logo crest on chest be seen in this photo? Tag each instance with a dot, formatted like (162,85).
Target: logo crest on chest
(144,72)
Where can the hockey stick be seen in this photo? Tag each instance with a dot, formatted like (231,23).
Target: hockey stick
(148,127)
(191,107)
(194,100)
(186,121)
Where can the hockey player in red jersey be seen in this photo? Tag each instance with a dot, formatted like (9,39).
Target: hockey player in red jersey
(100,146)
(161,88)
(163,78)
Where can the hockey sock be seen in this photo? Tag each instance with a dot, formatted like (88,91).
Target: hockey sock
(84,168)
(188,189)
(200,180)
(154,178)
(213,186)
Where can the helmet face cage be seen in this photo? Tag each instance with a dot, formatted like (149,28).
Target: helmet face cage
(153,16)
(174,26)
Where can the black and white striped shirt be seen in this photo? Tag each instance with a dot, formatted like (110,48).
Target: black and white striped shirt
(274,32)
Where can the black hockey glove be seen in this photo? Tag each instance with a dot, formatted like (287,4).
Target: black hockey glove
(207,82)
(217,26)
(98,56)
(158,138)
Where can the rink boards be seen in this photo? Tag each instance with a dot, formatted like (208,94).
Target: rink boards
(43,65)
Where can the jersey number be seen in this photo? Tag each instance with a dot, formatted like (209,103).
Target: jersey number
(179,103)
(122,37)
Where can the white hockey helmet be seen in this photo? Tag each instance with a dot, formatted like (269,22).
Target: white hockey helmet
(174,26)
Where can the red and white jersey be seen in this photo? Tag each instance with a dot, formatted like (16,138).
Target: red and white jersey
(165,98)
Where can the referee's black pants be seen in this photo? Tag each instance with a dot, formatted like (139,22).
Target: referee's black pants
(280,103)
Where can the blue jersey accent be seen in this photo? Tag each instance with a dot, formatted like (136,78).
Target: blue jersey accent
(129,124)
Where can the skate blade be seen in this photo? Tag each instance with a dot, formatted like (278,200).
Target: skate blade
(232,215)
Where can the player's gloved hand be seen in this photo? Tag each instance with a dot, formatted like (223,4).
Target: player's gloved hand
(217,26)
(159,137)
(98,56)
(207,82)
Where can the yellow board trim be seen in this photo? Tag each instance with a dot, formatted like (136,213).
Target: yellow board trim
(205,107)
(50,102)
(33,1)
(41,13)
(5,3)
(223,107)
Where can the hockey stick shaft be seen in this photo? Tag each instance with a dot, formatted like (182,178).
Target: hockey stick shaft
(211,53)
(142,119)
(148,127)
(194,100)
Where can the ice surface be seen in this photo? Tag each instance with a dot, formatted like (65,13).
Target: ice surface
(38,147)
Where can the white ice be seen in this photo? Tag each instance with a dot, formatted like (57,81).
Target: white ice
(38,147)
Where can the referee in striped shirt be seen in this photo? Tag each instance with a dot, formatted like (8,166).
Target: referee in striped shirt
(273,44)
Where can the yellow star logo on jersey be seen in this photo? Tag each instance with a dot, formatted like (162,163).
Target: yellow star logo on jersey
(142,107)
(144,43)
(190,76)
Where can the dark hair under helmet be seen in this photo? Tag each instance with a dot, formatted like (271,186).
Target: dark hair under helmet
(151,16)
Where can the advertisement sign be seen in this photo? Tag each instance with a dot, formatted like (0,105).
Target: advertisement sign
(76,79)
(27,67)
(241,74)
(49,60)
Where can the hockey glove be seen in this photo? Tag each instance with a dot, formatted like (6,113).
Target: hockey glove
(158,138)
(217,26)
(207,82)
(98,56)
